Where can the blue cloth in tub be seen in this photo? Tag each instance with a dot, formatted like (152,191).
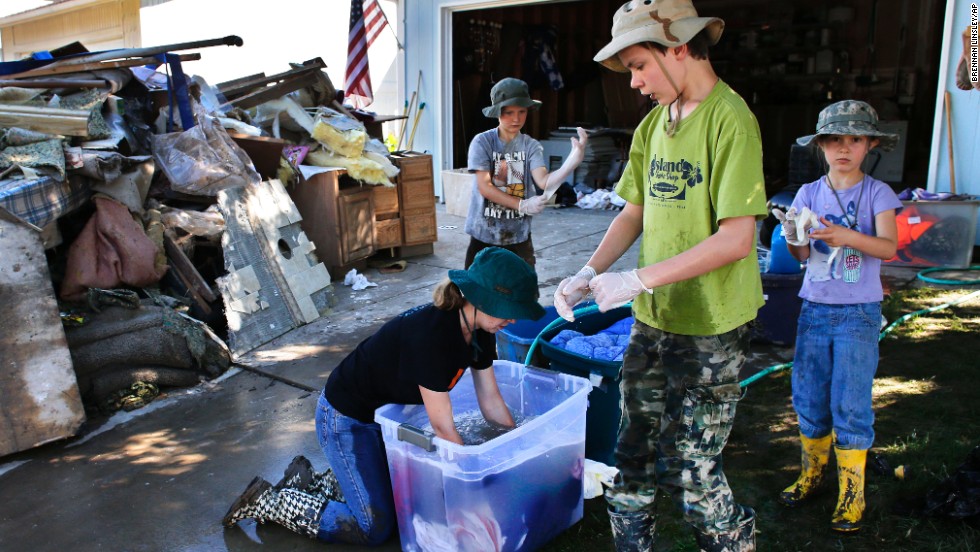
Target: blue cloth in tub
(608,344)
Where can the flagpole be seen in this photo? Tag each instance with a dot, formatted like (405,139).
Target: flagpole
(390,28)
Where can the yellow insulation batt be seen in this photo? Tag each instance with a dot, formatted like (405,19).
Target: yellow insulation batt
(339,133)
(359,168)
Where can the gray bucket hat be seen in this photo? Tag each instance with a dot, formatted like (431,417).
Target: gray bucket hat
(509,91)
(850,118)
(667,22)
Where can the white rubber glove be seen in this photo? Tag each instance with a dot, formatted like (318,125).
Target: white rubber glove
(572,290)
(796,226)
(788,221)
(577,153)
(531,205)
(615,289)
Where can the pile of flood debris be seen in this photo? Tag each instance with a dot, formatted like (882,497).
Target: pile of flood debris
(147,233)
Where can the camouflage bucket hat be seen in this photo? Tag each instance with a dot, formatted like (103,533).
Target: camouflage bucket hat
(850,118)
(667,22)
(509,91)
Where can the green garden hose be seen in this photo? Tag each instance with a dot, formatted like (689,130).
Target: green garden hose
(922,276)
(893,325)
(592,308)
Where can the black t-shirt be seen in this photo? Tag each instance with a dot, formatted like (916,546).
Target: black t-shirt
(422,346)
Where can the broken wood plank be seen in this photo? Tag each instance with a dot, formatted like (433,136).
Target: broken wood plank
(199,289)
(48,70)
(221,86)
(248,85)
(186,268)
(54,83)
(123,53)
(39,397)
(50,120)
(305,78)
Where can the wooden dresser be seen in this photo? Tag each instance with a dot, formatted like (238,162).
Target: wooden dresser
(405,216)
(338,217)
(349,221)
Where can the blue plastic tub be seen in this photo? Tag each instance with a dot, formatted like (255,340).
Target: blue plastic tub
(514,340)
(603,417)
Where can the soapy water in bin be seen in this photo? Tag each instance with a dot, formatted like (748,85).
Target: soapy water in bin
(476,430)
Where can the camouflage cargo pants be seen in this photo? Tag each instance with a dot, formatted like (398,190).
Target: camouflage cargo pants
(679,394)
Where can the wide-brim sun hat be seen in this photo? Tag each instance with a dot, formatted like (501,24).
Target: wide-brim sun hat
(501,284)
(509,91)
(850,118)
(666,22)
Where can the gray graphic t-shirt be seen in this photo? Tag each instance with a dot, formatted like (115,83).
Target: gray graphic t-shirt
(510,167)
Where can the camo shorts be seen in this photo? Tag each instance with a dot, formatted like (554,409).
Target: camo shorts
(679,397)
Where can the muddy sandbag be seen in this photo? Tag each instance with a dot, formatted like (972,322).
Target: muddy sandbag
(120,346)
(111,250)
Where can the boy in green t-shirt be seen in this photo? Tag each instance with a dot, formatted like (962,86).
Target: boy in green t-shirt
(694,190)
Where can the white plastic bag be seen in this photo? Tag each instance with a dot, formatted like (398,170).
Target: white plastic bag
(357,281)
(596,476)
(203,160)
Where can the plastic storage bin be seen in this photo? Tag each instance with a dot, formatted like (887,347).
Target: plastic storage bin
(514,340)
(936,233)
(776,321)
(514,492)
(457,186)
(605,411)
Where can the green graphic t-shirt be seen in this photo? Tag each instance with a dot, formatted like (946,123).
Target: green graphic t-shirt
(710,170)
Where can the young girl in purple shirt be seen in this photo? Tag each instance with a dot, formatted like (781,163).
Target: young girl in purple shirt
(843,225)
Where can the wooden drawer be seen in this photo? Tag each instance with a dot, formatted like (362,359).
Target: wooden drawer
(413,165)
(385,201)
(413,170)
(417,194)
(419,226)
(387,233)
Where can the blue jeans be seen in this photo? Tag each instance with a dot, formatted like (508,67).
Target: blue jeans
(356,453)
(833,371)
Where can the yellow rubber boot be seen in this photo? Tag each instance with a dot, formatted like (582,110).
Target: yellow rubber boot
(814,457)
(850,500)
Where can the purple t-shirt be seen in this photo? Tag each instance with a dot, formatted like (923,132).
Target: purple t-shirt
(850,276)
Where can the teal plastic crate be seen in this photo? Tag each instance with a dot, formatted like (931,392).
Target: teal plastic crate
(604,415)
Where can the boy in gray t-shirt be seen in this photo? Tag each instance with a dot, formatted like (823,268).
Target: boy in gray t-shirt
(507,165)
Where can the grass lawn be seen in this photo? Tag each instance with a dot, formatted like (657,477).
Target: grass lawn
(927,420)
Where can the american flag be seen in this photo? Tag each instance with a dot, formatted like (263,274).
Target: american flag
(366,23)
